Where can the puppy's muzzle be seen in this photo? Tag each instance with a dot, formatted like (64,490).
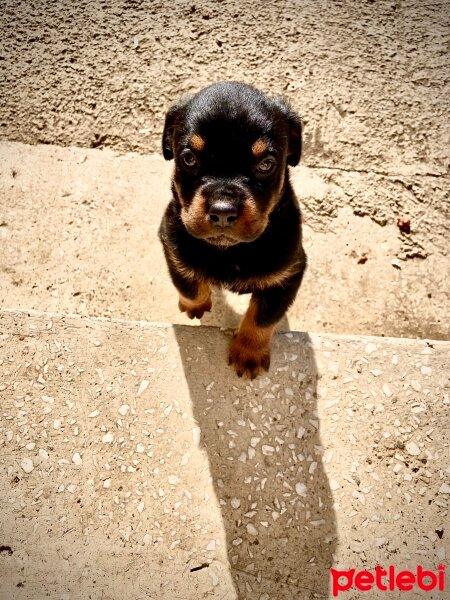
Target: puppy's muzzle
(223,213)
(224,200)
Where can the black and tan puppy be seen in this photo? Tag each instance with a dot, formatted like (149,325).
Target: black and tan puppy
(234,220)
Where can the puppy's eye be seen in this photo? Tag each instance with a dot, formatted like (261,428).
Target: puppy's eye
(266,166)
(189,159)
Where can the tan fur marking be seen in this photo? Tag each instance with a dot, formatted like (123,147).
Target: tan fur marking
(250,224)
(250,212)
(260,336)
(250,349)
(204,293)
(197,142)
(195,308)
(251,221)
(194,216)
(259,147)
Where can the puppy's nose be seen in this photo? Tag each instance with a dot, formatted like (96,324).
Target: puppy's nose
(223,213)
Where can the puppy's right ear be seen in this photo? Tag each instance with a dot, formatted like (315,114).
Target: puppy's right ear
(173,116)
(295,130)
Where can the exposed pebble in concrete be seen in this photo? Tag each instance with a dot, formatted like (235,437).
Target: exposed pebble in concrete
(27,465)
(76,458)
(143,386)
(412,448)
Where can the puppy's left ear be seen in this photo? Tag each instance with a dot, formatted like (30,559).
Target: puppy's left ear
(295,130)
(173,117)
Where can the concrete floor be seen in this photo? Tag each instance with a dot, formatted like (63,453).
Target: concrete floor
(135,464)
(79,236)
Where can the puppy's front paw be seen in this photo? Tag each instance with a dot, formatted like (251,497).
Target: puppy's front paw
(247,358)
(195,311)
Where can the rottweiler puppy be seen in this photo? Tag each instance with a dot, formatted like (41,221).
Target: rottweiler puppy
(234,220)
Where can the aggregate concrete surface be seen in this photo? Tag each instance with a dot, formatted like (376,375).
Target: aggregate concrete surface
(123,479)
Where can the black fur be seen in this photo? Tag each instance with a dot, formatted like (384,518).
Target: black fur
(230,117)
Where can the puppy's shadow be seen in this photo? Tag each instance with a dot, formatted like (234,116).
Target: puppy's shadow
(263,443)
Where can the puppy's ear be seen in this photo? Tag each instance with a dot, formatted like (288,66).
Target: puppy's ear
(295,131)
(173,116)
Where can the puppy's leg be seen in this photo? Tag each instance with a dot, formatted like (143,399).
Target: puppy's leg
(194,294)
(197,301)
(250,349)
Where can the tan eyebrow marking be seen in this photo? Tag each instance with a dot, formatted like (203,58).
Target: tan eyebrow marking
(197,142)
(259,147)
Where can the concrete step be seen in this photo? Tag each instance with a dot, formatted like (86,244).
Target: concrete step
(135,464)
(78,235)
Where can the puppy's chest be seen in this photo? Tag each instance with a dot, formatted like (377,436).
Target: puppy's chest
(242,274)
(228,271)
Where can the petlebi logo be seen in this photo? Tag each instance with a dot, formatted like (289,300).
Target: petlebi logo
(388,580)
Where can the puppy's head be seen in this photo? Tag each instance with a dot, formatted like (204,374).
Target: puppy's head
(231,146)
